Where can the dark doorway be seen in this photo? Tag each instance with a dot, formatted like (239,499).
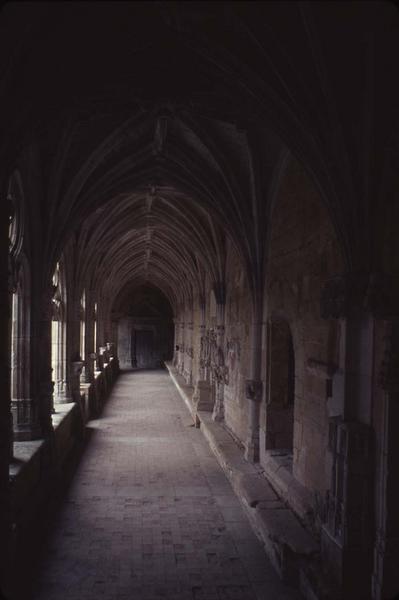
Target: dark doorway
(143,347)
(145,328)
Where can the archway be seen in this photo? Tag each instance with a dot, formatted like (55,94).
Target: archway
(145,328)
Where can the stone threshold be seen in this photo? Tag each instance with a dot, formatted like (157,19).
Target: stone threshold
(288,544)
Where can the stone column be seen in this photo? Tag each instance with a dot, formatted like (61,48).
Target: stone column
(24,409)
(219,369)
(175,341)
(64,395)
(347,536)
(202,396)
(386,550)
(253,386)
(202,330)
(181,348)
(88,374)
(189,353)
(5,402)
(42,358)
(76,372)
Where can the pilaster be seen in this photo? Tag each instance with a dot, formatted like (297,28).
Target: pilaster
(347,537)
(5,404)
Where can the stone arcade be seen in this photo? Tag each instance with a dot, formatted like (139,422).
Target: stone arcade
(212,188)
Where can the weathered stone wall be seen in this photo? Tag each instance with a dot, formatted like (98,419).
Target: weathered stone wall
(238,319)
(304,253)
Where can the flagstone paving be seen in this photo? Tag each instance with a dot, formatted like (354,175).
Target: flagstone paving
(150,514)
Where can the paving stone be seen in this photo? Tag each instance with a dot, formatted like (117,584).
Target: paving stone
(150,513)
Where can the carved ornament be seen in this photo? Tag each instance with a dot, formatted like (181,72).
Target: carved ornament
(212,357)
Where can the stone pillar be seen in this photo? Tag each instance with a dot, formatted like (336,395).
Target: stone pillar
(76,371)
(347,537)
(219,370)
(253,387)
(202,396)
(64,395)
(386,550)
(175,341)
(5,402)
(202,329)
(24,411)
(42,357)
(88,372)
(189,353)
(181,348)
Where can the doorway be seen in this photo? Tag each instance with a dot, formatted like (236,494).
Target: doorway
(143,349)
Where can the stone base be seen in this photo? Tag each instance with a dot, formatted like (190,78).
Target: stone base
(202,396)
(27,433)
(25,423)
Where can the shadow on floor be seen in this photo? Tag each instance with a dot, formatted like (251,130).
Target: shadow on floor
(34,538)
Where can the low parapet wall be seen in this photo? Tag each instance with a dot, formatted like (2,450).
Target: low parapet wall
(39,467)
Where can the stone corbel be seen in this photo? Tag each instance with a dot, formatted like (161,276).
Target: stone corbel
(253,390)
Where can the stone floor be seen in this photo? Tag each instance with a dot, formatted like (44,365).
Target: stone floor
(150,514)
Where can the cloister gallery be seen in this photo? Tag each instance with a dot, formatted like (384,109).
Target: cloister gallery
(199,226)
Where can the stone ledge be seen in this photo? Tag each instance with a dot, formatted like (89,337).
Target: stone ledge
(286,541)
(185,391)
(24,453)
(277,468)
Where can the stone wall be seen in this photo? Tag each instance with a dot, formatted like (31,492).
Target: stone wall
(237,343)
(304,253)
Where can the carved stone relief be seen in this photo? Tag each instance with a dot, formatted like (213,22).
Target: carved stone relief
(212,357)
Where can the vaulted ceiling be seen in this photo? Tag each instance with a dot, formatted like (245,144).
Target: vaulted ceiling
(162,128)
